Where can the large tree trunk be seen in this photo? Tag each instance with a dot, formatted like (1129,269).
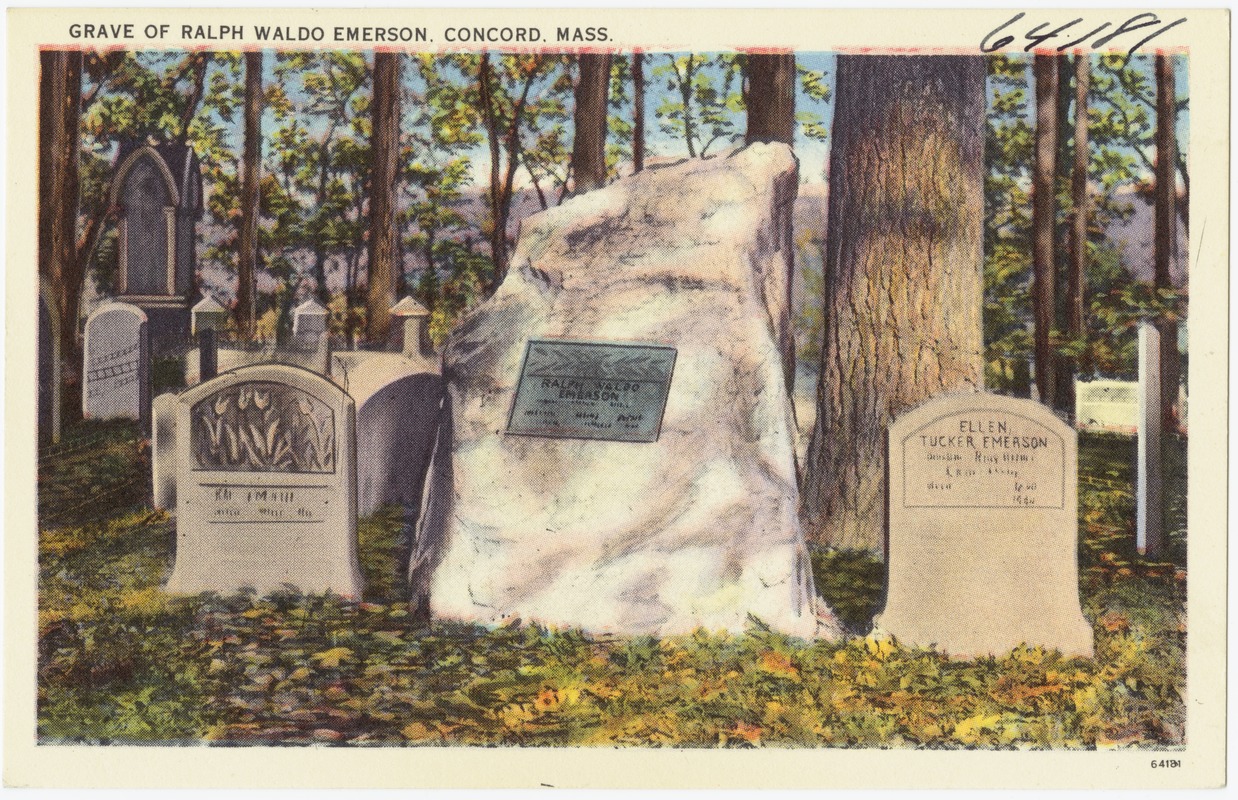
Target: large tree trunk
(1166,232)
(589,137)
(638,112)
(1044,220)
(385,146)
(60,111)
(1075,283)
(251,164)
(903,274)
(770,98)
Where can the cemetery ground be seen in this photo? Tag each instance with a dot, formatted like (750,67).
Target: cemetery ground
(122,662)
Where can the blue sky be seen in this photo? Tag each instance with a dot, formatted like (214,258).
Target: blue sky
(813,154)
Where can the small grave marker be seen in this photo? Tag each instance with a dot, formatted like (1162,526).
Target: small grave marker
(983,528)
(116,364)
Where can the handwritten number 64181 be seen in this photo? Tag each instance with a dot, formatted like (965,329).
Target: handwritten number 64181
(1038,35)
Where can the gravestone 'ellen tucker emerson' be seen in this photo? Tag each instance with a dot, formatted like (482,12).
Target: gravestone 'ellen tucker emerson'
(983,536)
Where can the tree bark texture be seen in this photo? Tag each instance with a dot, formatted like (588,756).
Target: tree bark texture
(251,166)
(1166,231)
(1076,281)
(60,111)
(638,112)
(589,118)
(903,274)
(384,266)
(770,98)
(1044,220)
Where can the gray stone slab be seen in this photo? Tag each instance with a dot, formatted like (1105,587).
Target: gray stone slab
(983,530)
(266,486)
(1149,504)
(163,452)
(398,402)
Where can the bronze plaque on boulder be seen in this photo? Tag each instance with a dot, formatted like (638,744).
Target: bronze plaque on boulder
(592,390)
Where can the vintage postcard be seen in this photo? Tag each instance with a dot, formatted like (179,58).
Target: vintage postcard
(616,398)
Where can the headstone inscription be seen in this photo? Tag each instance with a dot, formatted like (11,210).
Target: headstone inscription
(49,366)
(116,364)
(983,528)
(265,484)
(592,390)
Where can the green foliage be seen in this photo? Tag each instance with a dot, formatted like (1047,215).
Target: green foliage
(814,87)
(851,583)
(704,97)
(1120,129)
(122,662)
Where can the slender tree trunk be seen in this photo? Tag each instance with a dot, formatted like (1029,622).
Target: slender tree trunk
(903,267)
(60,112)
(1076,317)
(384,265)
(251,163)
(1044,220)
(1166,231)
(685,93)
(200,63)
(589,131)
(498,219)
(638,112)
(770,98)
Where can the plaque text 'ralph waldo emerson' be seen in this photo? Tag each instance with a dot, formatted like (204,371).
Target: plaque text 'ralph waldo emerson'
(592,390)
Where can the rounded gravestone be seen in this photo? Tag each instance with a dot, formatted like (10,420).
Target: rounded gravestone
(116,364)
(983,531)
(266,484)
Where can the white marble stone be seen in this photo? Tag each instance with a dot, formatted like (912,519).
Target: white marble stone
(696,529)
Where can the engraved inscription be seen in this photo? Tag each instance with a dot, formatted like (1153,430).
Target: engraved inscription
(262,426)
(983,459)
(256,503)
(592,390)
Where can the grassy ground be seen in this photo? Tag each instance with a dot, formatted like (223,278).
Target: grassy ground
(121,662)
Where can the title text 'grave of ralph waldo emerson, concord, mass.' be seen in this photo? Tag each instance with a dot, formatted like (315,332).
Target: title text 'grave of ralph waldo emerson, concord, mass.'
(983,528)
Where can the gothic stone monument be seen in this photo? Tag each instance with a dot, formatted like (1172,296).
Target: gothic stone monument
(983,528)
(616,451)
(265,484)
(116,364)
(158,189)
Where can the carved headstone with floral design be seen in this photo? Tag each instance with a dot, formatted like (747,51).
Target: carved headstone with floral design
(266,484)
